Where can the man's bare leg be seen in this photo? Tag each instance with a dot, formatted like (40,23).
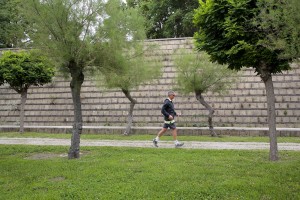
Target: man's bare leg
(159,134)
(174,133)
(177,143)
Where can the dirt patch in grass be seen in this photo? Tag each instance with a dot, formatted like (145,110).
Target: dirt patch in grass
(57,179)
(45,156)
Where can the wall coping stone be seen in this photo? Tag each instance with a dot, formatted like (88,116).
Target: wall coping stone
(154,128)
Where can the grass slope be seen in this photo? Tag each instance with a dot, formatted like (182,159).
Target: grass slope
(43,172)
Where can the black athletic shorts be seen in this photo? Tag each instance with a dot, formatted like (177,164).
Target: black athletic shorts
(170,126)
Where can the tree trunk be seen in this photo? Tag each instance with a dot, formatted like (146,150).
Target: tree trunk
(267,79)
(211,111)
(22,109)
(130,113)
(76,83)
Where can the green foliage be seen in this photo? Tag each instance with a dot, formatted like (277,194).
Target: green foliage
(13,26)
(65,30)
(129,73)
(167,18)
(126,65)
(31,172)
(227,34)
(23,69)
(280,21)
(197,73)
(126,20)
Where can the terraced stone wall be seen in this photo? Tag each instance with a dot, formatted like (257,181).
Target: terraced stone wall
(243,106)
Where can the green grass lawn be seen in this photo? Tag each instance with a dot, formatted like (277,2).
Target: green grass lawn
(44,172)
(150,137)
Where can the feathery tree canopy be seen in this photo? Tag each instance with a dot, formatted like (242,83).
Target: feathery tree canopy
(126,65)
(198,75)
(65,30)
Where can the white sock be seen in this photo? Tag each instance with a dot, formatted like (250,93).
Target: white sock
(176,141)
(157,138)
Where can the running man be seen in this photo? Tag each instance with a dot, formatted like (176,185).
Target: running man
(169,115)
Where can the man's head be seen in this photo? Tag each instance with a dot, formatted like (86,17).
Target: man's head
(171,95)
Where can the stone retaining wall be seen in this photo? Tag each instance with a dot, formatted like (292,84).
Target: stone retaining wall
(243,106)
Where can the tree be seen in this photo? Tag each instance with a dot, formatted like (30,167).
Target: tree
(198,75)
(1,78)
(167,18)
(13,27)
(126,65)
(227,32)
(22,70)
(65,31)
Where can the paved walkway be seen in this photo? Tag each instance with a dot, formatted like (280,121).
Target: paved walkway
(148,144)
